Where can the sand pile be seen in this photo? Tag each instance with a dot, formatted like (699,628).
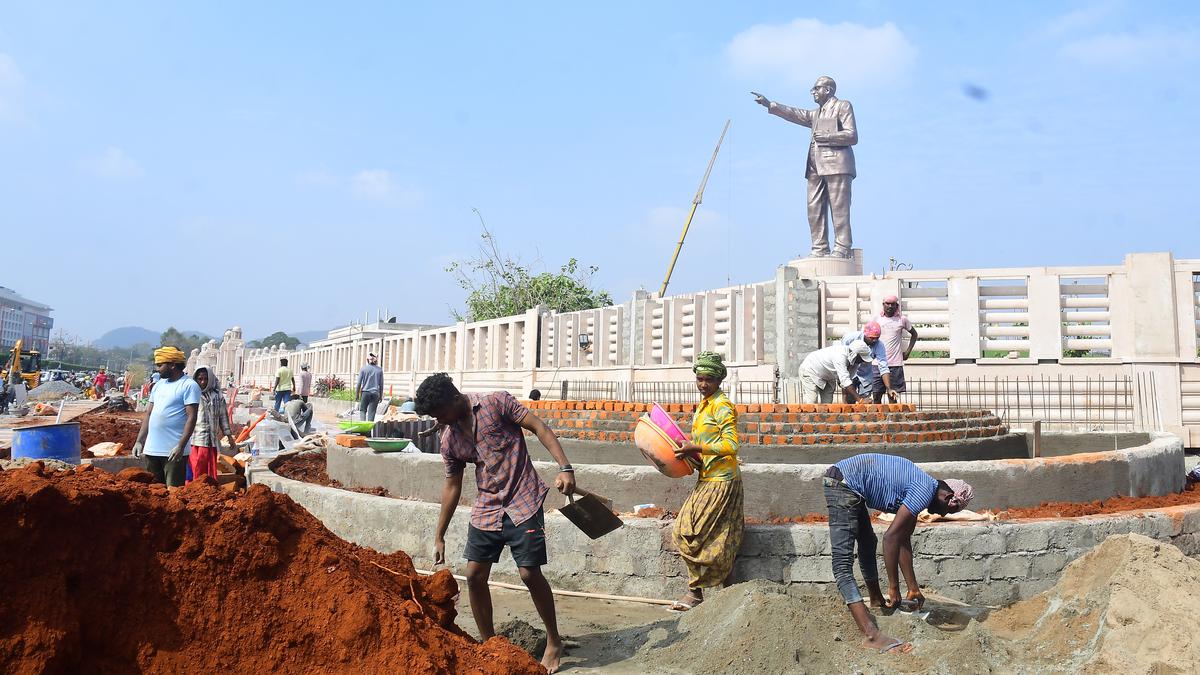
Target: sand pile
(108,574)
(1128,606)
(52,391)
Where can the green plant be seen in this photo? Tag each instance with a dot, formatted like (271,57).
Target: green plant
(498,285)
(327,384)
(342,394)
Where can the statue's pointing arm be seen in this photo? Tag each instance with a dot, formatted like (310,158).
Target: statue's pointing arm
(794,115)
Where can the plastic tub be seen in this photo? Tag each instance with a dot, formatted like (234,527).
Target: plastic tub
(659,449)
(48,441)
(662,420)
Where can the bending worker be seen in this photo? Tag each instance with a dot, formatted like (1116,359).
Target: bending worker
(826,370)
(892,485)
(874,377)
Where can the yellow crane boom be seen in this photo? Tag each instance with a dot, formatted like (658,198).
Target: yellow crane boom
(695,203)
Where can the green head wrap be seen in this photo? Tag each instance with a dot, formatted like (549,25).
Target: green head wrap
(710,363)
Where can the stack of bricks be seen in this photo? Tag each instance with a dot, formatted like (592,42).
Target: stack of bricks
(775,424)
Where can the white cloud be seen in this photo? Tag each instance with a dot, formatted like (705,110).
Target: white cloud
(112,164)
(1077,20)
(11,83)
(797,53)
(379,185)
(1156,45)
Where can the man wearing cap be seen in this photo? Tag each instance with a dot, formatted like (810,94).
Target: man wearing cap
(304,383)
(892,485)
(873,378)
(892,326)
(165,436)
(824,371)
(369,389)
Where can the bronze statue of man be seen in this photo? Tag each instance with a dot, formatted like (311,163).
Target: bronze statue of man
(830,165)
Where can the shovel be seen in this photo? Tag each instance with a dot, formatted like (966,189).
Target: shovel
(590,513)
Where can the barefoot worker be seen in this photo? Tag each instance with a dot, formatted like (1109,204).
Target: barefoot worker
(709,528)
(893,485)
(487,430)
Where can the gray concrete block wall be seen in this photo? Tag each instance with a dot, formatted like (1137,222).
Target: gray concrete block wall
(794,489)
(983,563)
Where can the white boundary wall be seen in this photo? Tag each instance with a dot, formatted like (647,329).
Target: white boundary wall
(1137,320)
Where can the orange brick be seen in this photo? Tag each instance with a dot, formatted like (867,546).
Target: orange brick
(350,440)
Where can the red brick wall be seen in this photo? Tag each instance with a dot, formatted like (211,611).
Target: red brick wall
(803,424)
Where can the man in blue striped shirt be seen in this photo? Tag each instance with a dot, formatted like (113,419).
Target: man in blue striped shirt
(893,485)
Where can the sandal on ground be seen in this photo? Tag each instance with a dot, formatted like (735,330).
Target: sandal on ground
(894,645)
(685,605)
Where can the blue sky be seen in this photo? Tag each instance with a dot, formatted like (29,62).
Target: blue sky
(292,165)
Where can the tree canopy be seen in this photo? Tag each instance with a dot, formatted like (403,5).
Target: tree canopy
(498,285)
(277,338)
(186,343)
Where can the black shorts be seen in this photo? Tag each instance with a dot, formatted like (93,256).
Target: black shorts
(527,542)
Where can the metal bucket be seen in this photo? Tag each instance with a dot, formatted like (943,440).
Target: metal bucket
(49,441)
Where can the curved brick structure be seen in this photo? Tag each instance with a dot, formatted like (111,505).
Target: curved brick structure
(986,563)
(833,424)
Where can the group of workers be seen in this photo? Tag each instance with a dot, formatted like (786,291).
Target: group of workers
(488,431)
(866,364)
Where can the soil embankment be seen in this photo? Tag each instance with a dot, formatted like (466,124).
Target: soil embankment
(110,574)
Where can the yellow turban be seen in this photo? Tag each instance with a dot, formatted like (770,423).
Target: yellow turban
(169,355)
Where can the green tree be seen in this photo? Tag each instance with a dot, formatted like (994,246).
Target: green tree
(498,285)
(277,338)
(187,343)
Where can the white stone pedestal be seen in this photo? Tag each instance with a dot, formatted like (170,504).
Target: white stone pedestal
(812,268)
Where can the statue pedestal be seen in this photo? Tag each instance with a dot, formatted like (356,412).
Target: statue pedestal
(810,268)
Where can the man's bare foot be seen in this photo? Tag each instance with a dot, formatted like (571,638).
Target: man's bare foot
(885,644)
(552,655)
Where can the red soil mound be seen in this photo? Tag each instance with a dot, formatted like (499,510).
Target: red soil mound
(1113,505)
(103,427)
(106,575)
(313,468)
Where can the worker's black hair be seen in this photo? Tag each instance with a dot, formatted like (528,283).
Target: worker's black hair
(283,362)
(435,393)
(535,395)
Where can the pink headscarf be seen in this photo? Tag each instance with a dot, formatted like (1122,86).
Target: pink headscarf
(963,494)
(872,329)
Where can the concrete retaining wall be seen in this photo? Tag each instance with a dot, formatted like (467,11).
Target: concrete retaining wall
(987,563)
(1156,468)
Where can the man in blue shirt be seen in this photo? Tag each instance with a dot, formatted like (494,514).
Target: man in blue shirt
(893,485)
(166,433)
(873,377)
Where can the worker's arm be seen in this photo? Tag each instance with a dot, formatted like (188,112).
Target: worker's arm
(188,427)
(897,556)
(358,386)
(565,481)
(227,427)
(841,367)
(912,342)
(141,437)
(275,385)
(451,491)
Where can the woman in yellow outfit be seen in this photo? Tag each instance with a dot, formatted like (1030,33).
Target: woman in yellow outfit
(709,528)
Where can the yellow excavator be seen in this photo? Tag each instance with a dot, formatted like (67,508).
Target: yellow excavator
(27,365)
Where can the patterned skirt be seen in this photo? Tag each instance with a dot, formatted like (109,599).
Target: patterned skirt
(709,531)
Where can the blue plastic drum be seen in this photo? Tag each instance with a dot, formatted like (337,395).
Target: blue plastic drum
(49,441)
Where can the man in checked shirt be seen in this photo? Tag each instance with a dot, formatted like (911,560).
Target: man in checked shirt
(487,430)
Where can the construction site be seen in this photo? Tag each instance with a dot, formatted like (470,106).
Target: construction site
(317,558)
(626,423)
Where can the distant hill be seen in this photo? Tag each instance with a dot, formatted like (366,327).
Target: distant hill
(308,337)
(129,336)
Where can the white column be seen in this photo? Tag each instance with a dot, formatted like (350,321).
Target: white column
(963,297)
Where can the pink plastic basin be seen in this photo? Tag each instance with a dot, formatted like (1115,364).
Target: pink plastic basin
(663,421)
